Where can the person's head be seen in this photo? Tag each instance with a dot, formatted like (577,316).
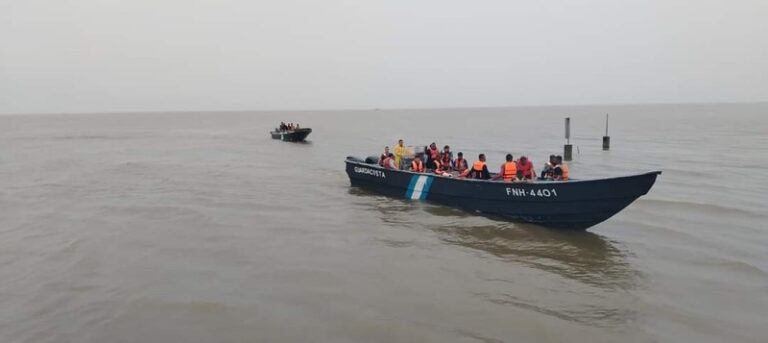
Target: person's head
(400,142)
(460,154)
(510,158)
(523,159)
(559,159)
(386,150)
(552,158)
(481,157)
(391,155)
(433,145)
(447,148)
(417,158)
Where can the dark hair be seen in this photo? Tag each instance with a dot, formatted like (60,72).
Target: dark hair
(481,156)
(552,156)
(391,155)
(461,153)
(509,157)
(446,147)
(559,158)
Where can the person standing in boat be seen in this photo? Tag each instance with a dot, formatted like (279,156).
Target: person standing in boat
(384,156)
(389,162)
(479,170)
(525,169)
(508,171)
(560,172)
(400,153)
(460,164)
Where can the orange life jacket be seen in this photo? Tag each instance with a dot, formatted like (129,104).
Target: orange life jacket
(564,167)
(510,171)
(478,166)
(417,167)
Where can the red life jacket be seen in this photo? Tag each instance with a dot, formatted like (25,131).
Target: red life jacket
(526,168)
(434,153)
(445,159)
(460,164)
(386,163)
(417,166)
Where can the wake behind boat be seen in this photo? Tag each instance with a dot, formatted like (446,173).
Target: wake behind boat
(574,204)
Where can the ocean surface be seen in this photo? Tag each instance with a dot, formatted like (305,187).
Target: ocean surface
(197,227)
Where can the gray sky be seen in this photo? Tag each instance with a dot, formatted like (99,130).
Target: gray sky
(145,55)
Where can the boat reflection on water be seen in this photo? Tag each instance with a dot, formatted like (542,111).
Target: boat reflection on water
(577,276)
(578,255)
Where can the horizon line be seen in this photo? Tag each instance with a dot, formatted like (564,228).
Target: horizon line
(374,109)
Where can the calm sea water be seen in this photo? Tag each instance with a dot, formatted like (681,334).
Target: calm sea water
(197,227)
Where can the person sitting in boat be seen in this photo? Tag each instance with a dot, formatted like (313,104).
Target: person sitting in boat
(389,162)
(508,171)
(417,165)
(549,167)
(525,169)
(283,127)
(384,156)
(560,172)
(479,170)
(460,164)
(446,159)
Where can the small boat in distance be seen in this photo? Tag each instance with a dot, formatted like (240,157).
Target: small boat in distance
(573,204)
(290,133)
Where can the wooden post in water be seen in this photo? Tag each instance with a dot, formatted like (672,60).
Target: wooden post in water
(568,148)
(606,138)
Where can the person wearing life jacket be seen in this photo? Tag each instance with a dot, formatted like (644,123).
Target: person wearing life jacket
(561,170)
(417,165)
(549,167)
(389,162)
(433,156)
(460,164)
(446,157)
(508,171)
(525,169)
(479,170)
(384,156)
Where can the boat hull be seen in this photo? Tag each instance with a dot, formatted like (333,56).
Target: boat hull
(298,135)
(574,205)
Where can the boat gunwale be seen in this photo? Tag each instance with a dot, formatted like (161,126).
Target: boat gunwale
(536,182)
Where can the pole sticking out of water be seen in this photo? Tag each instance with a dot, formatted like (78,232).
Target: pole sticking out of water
(606,138)
(568,148)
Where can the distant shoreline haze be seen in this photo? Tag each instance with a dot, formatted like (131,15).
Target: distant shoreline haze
(94,56)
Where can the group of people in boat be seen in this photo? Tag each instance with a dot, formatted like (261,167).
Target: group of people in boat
(287,127)
(441,162)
